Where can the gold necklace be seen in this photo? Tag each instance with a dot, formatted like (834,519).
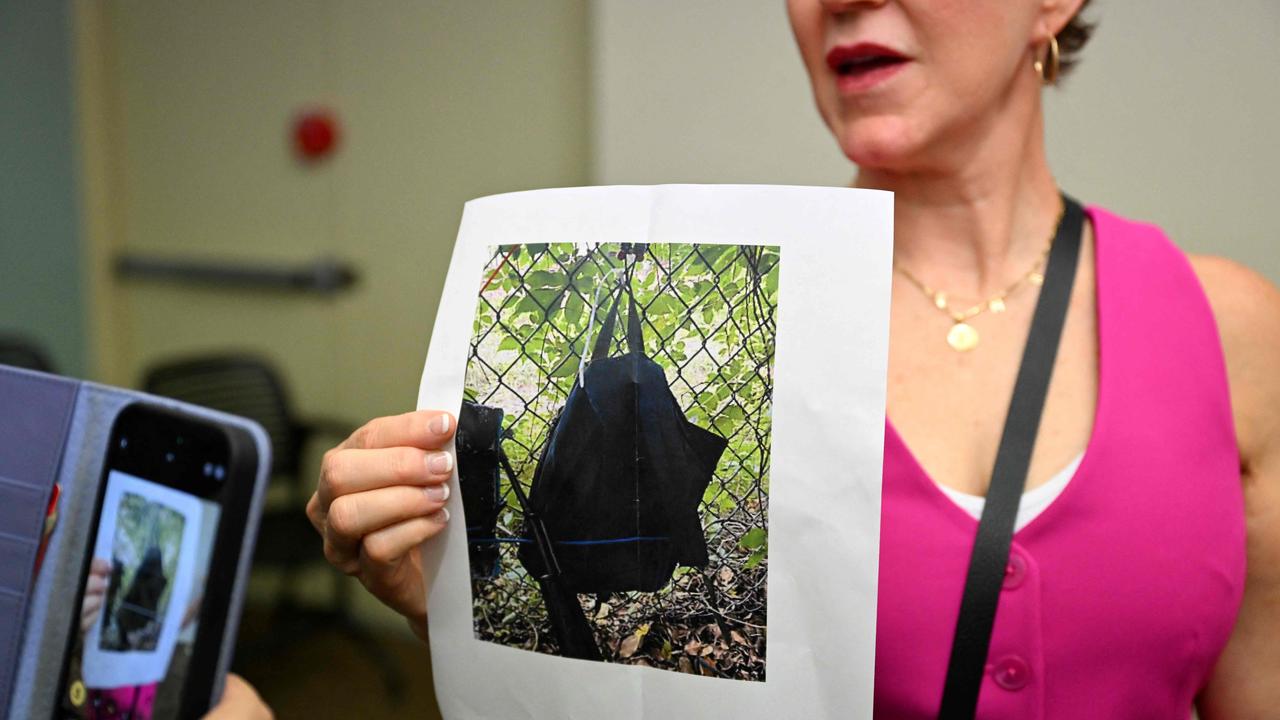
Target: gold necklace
(962,337)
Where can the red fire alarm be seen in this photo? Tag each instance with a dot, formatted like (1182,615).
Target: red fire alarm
(315,134)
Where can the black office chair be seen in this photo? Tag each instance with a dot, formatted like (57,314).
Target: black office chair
(249,386)
(23,352)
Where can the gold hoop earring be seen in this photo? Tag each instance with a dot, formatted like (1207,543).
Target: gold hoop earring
(1049,72)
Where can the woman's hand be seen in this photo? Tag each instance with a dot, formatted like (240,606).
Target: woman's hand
(381,494)
(95,592)
(239,702)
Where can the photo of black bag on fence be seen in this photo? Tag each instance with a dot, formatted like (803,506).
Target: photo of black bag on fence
(622,474)
(613,453)
(144,557)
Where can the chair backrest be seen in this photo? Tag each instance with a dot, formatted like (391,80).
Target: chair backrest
(22,352)
(243,385)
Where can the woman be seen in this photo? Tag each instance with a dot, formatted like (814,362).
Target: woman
(1127,596)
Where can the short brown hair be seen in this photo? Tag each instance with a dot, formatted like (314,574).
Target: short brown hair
(1073,38)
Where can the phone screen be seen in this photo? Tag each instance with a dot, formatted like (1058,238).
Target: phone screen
(158,516)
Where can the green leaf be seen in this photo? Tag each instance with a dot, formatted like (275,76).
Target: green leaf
(527,305)
(567,368)
(754,560)
(664,305)
(724,425)
(754,539)
(547,297)
(710,253)
(543,279)
(573,308)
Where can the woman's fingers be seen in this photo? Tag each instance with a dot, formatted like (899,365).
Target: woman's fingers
(381,493)
(426,429)
(350,471)
(89,610)
(95,585)
(390,544)
(95,591)
(239,702)
(352,518)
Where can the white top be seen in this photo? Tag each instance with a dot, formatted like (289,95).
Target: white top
(1033,501)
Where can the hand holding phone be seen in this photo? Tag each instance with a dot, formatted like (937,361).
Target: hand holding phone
(164,551)
(239,702)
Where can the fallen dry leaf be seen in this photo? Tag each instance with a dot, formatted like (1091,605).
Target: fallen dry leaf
(630,644)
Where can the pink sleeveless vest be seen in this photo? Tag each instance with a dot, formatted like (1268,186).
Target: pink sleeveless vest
(1120,595)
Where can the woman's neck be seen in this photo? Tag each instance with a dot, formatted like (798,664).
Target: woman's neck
(976,221)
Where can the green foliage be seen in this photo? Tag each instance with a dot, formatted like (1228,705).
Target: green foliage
(708,317)
(754,538)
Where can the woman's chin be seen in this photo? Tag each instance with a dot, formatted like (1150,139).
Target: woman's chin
(880,143)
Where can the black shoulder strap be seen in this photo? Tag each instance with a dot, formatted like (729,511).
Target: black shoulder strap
(635,336)
(995,529)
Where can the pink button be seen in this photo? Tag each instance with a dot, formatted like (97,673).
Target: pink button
(1011,672)
(1015,572)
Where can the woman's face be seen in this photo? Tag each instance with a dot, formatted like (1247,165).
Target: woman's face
(903,84)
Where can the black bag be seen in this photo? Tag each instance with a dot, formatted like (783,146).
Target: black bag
(479,434)
(138,616)
(622,475)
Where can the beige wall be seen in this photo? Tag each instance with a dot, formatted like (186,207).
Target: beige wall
(1171,117)
(185,110)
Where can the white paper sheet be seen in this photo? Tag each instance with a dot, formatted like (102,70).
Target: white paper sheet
(833,248)
(121,662)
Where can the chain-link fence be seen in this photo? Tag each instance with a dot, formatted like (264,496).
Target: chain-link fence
(708,314)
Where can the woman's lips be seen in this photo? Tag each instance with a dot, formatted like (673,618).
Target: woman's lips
(860,67)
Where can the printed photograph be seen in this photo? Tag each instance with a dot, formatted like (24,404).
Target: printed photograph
(144,561)
(613,453)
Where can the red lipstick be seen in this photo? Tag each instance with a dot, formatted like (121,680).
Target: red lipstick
(860,67)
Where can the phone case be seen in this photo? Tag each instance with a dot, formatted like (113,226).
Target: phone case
(54,430)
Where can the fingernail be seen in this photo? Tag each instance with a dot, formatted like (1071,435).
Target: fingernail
(441,424)
(443,515)
(439,463)
(437,493)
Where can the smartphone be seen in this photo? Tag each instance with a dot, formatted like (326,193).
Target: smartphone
(160,571)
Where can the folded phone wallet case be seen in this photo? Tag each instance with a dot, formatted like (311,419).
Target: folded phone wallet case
(54,430)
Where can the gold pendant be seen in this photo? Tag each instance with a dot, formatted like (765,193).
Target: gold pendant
(962,337)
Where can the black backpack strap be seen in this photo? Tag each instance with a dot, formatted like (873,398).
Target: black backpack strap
(605,338)
(635,335)
(995,529)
